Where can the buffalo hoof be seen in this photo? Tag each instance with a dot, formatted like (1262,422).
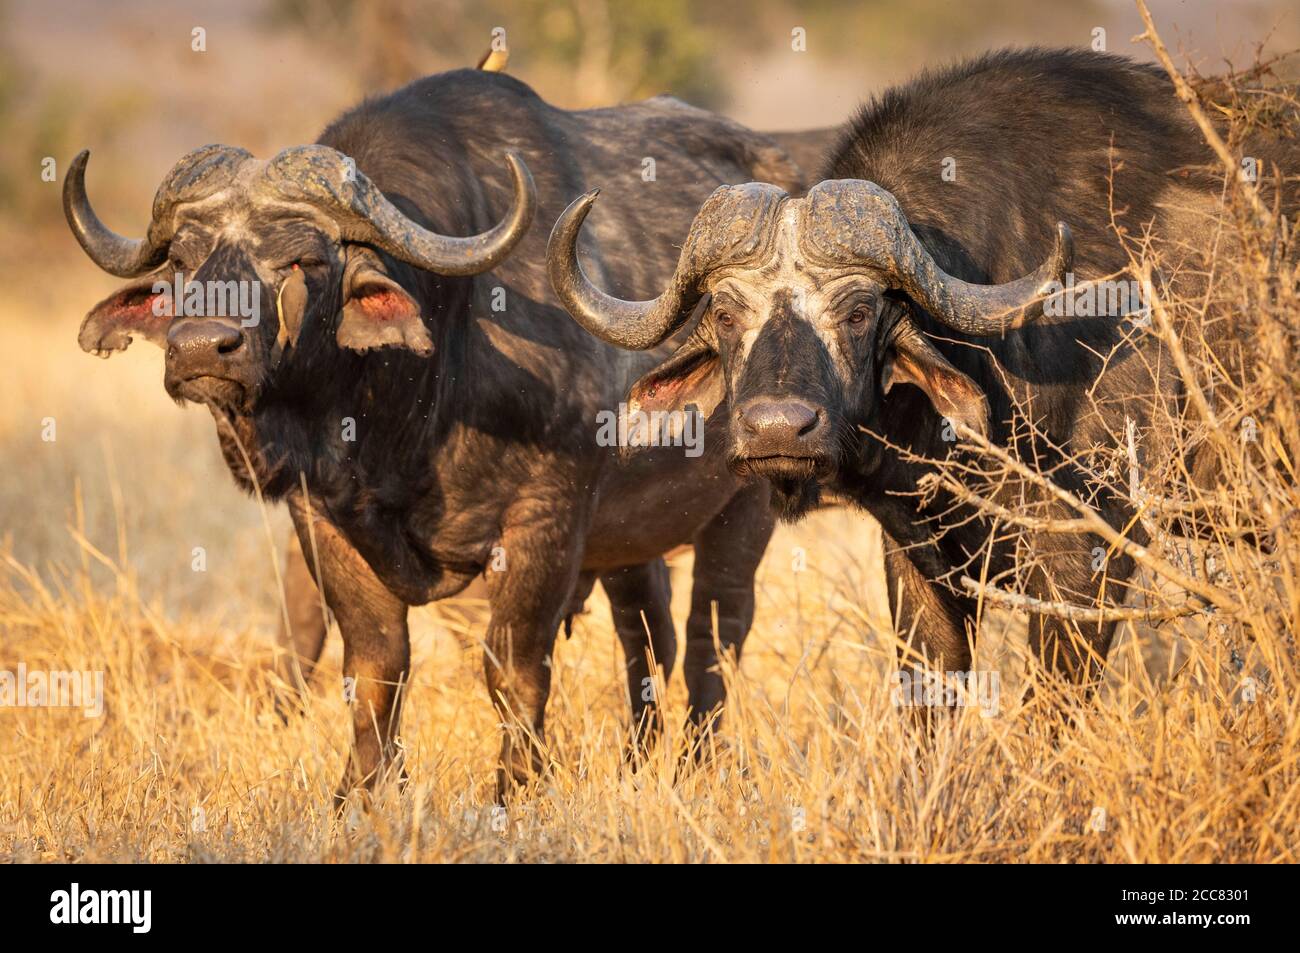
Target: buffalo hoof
(521,765)
(356,788)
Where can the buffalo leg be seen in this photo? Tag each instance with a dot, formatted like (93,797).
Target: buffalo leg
(528,598)
(640,599)
(302,638)
(727,552)
(1075,652)
(376,650)
(931,622)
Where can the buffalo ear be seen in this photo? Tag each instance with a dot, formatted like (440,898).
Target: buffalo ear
(689,381)
(141,308)
(914,360)
(377,311)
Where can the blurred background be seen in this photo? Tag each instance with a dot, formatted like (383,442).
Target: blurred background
(125,80)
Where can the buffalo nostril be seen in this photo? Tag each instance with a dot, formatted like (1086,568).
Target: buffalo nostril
(228,345)
(811,424)
(197,348)
(784,419)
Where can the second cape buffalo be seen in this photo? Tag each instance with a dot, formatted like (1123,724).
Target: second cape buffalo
(908,287)
(416,395)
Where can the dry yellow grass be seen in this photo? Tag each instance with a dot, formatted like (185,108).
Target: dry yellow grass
(1190,753)
(189,761)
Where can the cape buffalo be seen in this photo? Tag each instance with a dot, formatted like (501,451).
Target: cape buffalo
(414,393)
(846,328)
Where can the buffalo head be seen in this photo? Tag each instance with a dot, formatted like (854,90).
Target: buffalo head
(806,321)
(245,261)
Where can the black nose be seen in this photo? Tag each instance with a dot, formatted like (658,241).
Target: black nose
(203,348)
(779,423)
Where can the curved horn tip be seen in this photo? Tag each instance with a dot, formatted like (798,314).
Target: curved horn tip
(519,169)
(1065,244)
(525,190)
(123,257)
(571,218)
(76,173)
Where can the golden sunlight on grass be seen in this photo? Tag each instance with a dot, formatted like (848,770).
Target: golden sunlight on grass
(189,760)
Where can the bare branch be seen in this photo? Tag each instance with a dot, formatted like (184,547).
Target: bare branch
(1191,101)
(1073,613)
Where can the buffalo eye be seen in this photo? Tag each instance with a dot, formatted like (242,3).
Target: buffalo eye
(859,314)
(303,264)
(724,318)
